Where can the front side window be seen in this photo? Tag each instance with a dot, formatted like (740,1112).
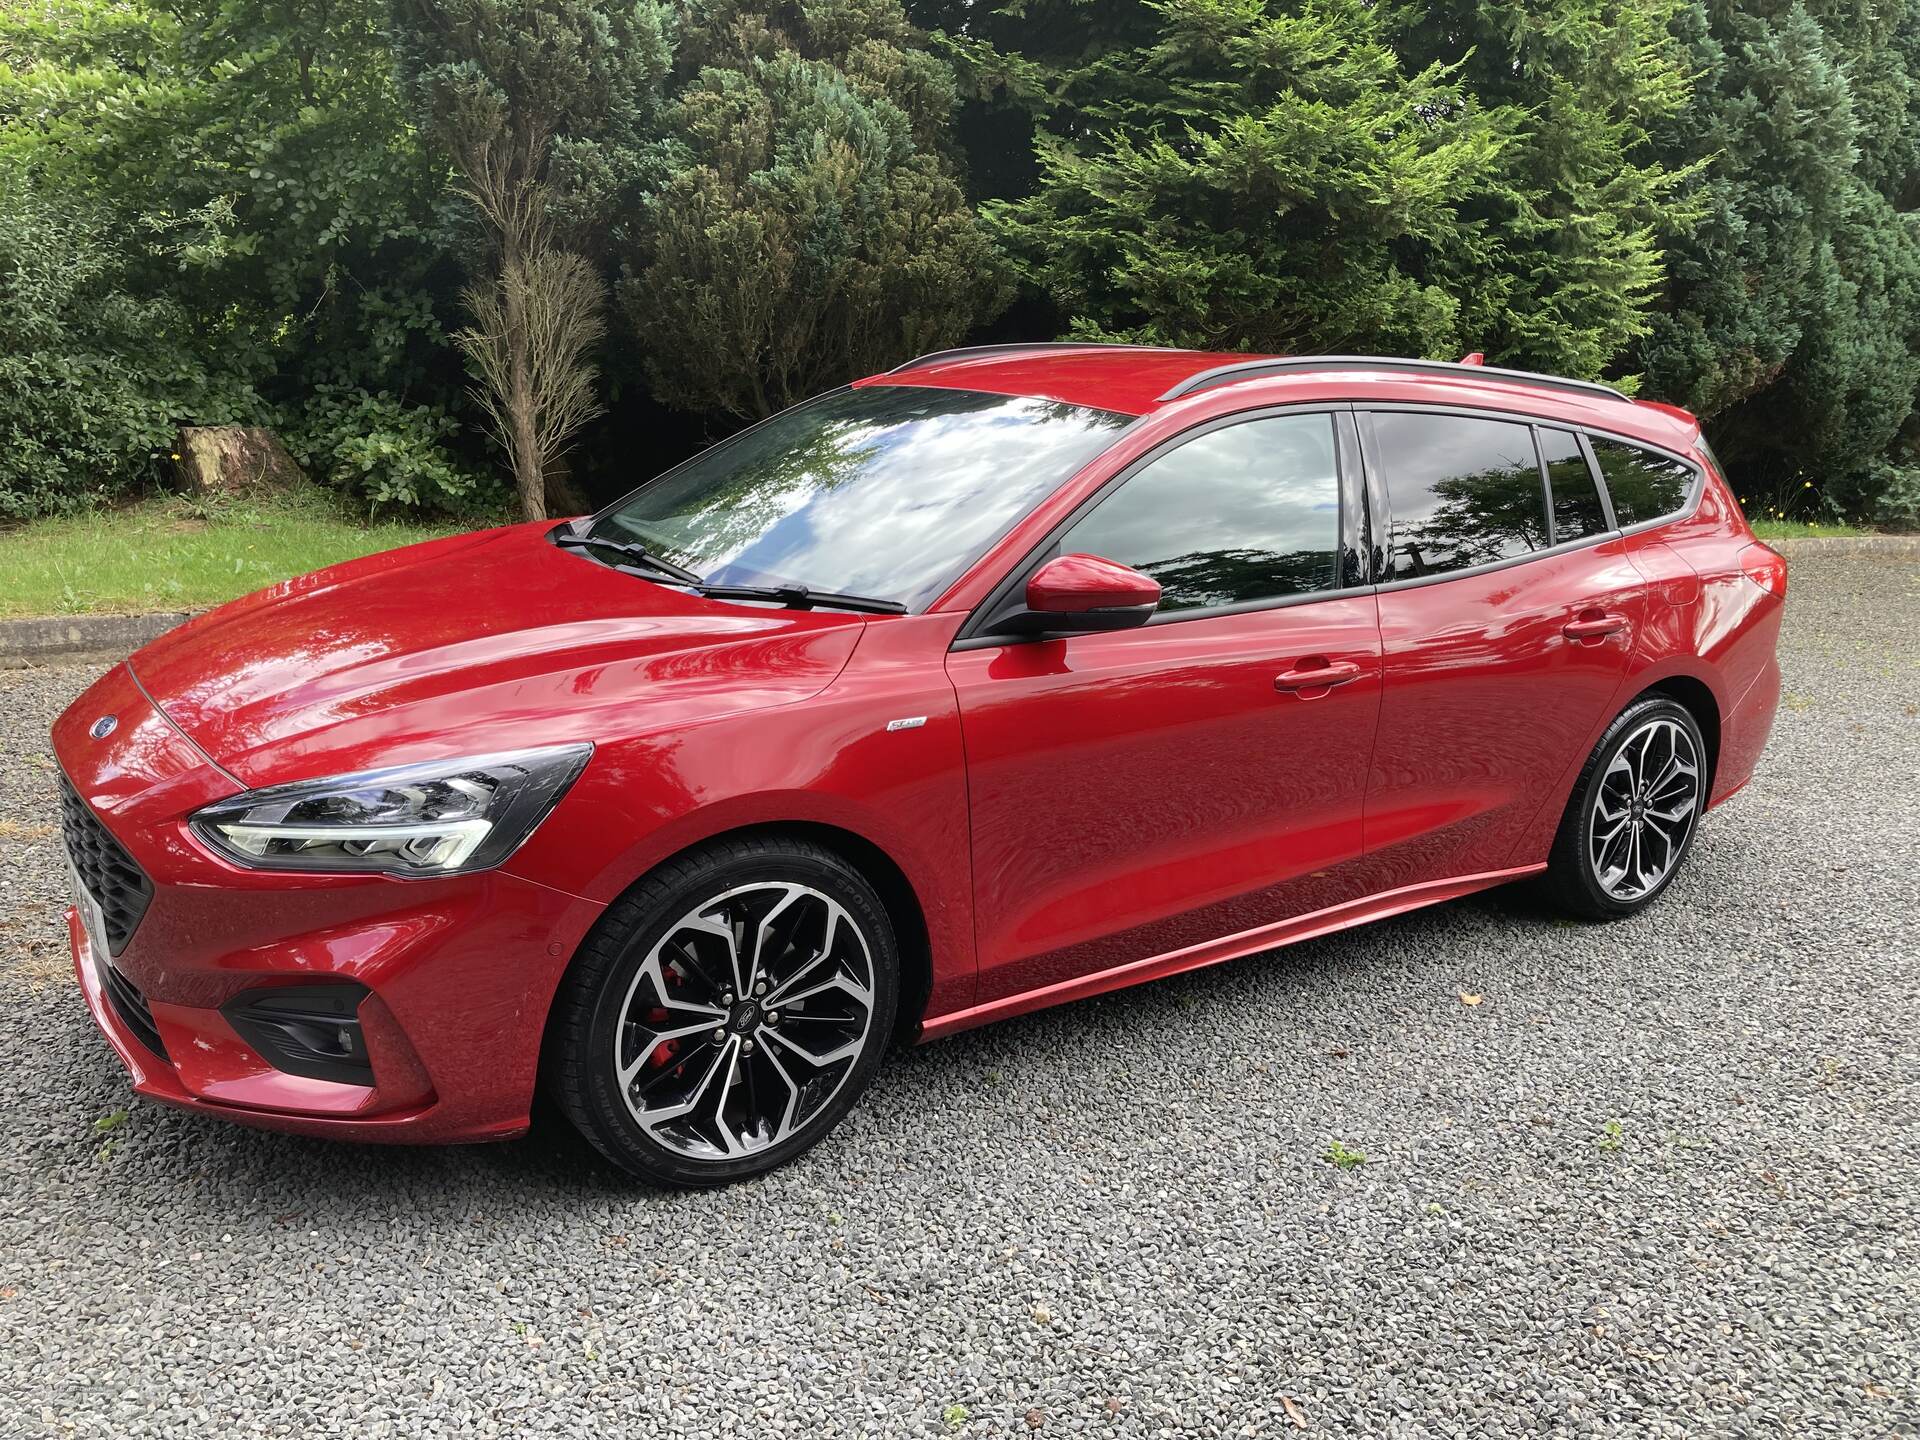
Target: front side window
(1577,512)
(884,490)
(1643,484)
(1248,512)
(1463,491)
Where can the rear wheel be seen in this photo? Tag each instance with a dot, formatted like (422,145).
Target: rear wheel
(1631,819)
(726,1013)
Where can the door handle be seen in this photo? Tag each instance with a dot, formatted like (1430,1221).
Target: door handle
(1594,625)
(1316,673)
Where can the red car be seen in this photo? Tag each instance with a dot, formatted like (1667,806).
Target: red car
(1011,676)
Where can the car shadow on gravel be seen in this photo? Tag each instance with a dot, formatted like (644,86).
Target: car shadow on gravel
(553,1167)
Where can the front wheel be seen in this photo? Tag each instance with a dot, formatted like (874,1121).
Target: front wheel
(1631,819)
(726,1012)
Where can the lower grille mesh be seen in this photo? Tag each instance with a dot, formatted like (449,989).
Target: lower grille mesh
(131,1006)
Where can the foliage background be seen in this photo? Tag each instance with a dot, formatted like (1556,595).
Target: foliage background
(247,210)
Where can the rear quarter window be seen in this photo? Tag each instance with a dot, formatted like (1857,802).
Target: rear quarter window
(1644,484)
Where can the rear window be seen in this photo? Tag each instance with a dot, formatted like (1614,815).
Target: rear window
(1644,484)
(1462,492)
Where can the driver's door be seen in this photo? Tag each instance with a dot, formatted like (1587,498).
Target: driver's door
(1136,793)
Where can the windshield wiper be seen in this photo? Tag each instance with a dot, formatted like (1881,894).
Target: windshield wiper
(633,554)
(799,596)
(803,598)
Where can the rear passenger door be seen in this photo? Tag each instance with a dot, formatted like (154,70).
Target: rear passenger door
(1507,610)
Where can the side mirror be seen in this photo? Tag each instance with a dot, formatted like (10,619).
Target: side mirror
(1072,594)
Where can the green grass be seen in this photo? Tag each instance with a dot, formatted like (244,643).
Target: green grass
(181,553)
(1800,529)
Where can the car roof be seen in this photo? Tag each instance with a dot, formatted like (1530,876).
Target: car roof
(1141,379)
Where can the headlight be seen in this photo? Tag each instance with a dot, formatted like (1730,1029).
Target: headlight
(438,818)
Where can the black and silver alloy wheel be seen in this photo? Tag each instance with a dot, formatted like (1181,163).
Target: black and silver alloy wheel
(727,1011)
(744,1020)
(1643,809)
(1633,813)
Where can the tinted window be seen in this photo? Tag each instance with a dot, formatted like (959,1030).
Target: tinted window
(1463,492)
(1577,512)
(1643,485)
(885,490)
(1246,512)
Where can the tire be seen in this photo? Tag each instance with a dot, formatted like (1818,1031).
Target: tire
(1631,819)
(680,1089)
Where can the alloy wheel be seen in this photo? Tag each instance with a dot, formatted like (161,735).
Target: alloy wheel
(1644,810)
(745,1020)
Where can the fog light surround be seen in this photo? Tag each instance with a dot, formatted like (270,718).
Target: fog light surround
(310,1030)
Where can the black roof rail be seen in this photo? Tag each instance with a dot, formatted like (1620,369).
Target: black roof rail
(1254,369)
(935,357)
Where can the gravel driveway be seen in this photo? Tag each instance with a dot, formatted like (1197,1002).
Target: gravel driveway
(1662,1179)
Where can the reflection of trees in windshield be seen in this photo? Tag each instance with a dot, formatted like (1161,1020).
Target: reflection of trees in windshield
(881,490)
(1477,519)
(1229,577)
(761,488)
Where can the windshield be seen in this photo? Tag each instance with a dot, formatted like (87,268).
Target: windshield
(889,491)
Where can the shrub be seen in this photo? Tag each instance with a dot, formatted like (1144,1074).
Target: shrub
(386,452)
(93,375)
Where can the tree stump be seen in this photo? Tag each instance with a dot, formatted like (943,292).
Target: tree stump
(233,460)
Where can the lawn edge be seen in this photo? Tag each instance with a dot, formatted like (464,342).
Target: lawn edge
(33,639)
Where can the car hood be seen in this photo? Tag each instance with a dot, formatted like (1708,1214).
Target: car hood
(489,641)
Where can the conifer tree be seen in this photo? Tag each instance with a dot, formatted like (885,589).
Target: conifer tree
(806,223)
(1792,318)
(1240,176)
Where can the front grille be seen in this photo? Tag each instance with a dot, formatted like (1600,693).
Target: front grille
(118,886)
(131,1006)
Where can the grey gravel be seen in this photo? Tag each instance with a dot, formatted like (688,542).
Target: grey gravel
(1116,1218)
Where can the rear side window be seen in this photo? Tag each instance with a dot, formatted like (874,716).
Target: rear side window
(1643,485)
(1462,492)
(1243,513)
(1577,512)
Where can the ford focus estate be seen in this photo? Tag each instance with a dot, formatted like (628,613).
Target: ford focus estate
(1008,677)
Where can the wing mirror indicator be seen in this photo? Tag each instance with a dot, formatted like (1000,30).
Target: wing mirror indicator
(1076,594)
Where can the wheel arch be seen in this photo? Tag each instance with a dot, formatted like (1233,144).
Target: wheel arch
(905,911)
(1696,697)
(1689,691)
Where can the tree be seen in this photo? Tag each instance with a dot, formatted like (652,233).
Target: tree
(1557,260)
(806,223)
(1792,319)
(255,168)
(534,102)
(1244,176)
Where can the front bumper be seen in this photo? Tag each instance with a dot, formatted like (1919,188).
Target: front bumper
(452,978)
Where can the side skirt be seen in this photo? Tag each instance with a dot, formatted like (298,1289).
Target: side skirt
(1231,947)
